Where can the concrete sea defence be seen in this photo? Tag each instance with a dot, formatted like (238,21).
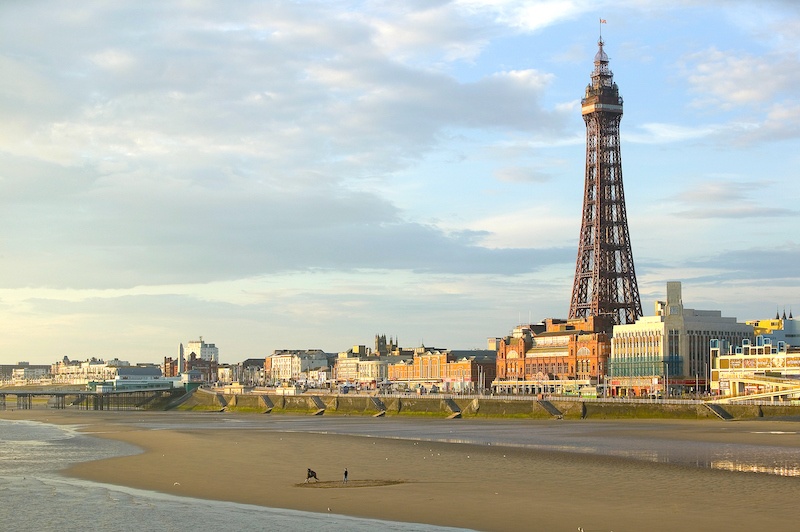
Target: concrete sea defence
(485,407)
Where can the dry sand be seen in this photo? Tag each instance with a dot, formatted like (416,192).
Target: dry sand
(478,487)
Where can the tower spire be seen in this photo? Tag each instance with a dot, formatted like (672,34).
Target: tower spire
(605,280)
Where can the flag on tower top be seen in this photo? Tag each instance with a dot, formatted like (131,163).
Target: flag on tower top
(603,21)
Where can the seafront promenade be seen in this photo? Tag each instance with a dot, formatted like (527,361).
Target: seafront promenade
(482,406)
(397,404)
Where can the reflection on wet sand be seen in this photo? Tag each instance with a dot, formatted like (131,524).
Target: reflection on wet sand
(764,447)
(783,470)
(771,460)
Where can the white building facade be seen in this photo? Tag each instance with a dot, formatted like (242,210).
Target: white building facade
(26,373)
(671,346)
(140,378)
(293,366)
(319,378)
(82,372)
(202,350)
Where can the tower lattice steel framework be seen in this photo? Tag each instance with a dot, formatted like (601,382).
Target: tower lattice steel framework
(605,280)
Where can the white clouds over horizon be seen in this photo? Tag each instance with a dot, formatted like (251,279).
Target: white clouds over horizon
(169,170)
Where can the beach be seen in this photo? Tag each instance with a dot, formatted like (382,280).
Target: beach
(481,487)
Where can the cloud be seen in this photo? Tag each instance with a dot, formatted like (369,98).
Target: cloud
(727,199)
(732,78)
(526,16)
(777,122)
(782,122)
(538,227)
(660,133)
(435,31)
(718,191)
(765,264)
(127,236)
(230,143)
(738,212)
(198,168)
(518,174)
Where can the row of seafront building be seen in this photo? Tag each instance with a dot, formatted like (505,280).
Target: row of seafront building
(675,351)
(422,369)
(668,352)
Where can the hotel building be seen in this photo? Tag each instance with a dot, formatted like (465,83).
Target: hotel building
(459,371)
(202,350)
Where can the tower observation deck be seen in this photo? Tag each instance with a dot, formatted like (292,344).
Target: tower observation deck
(605,280)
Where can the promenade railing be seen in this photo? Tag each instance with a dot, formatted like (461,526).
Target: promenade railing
(546,397)
(571,398)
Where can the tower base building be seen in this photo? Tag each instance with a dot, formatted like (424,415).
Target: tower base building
(557,356)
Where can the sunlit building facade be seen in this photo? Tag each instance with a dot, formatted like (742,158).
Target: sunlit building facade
(669,349)
(553,356)
(762,369)
(202,350)
(458,371)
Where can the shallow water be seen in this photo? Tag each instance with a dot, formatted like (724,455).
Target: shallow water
(35,497)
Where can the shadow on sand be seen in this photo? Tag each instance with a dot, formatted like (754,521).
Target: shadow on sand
(349,484)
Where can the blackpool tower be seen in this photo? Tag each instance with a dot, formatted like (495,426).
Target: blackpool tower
(605,280)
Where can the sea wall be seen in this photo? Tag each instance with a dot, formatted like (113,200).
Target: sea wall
(200,400)
(504,409)
(245,403)
(599,410)
(779,411)
(488,407)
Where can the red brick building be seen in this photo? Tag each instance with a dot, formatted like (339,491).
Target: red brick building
(467,371)
(207,368)
(171,367)
(556,350)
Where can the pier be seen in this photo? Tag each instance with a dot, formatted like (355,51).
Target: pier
(88,400)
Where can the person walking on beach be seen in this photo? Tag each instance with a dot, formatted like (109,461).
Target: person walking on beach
(345,476)
(310,475)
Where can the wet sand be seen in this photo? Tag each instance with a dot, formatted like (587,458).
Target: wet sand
(471,486)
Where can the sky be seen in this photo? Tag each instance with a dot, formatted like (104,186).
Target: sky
(297,175)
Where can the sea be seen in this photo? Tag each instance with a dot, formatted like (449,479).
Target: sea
(35,497)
